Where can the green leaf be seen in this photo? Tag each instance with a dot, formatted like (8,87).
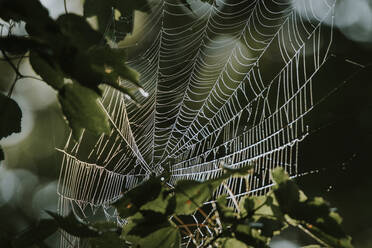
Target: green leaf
(109,236)
(133,200)
(160,204)
(311,246)
(279,175)
(82,109)
(313,214)
(190,195)
(164,237)
(52,76)
(10,116)
(78,30)
(227,214)
(18,45)
(112,60)
(151,229)
(74,226)
(230,243)
(35,234)
(270,226)
(286,191)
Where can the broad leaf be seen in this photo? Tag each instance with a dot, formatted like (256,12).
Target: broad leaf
(35,234)
(230,243)
(78,30)
(190,195)
(160,204)
(82,109)
(52,76)
(74,226)
(270,226)
(133,200)
(227,214)
(286,191)
(109,236)
(164,237)
(19,45)
(10,116)
(150,229)
(112,60)
(313,214)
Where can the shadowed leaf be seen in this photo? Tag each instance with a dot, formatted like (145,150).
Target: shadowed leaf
(52,76)
(74,226)
(133,200)
(10,116)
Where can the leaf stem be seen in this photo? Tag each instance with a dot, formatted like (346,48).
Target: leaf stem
(65,5)
(186,228)
(311,235)
(10,62)
(233,198)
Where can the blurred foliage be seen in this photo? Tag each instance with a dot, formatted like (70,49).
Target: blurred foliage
(69,48)
(153,222)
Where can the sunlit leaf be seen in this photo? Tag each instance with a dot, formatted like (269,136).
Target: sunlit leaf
(231,243)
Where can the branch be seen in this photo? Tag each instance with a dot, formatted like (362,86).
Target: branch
(10,62)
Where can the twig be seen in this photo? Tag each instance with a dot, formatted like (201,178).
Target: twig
(186,228)
(10,62)
(65,5)
(311,235)
(232,196)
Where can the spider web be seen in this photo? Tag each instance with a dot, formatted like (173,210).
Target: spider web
(228,83)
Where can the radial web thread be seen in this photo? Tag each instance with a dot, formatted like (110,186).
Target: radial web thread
(229,84)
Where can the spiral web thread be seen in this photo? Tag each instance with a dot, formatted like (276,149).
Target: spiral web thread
(229,84)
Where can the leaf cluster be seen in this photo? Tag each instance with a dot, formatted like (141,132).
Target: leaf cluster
(154,214)
(72,57)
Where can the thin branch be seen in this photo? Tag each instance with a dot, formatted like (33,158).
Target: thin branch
(311,235)
(10,62)
(65,5)
(233,198)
